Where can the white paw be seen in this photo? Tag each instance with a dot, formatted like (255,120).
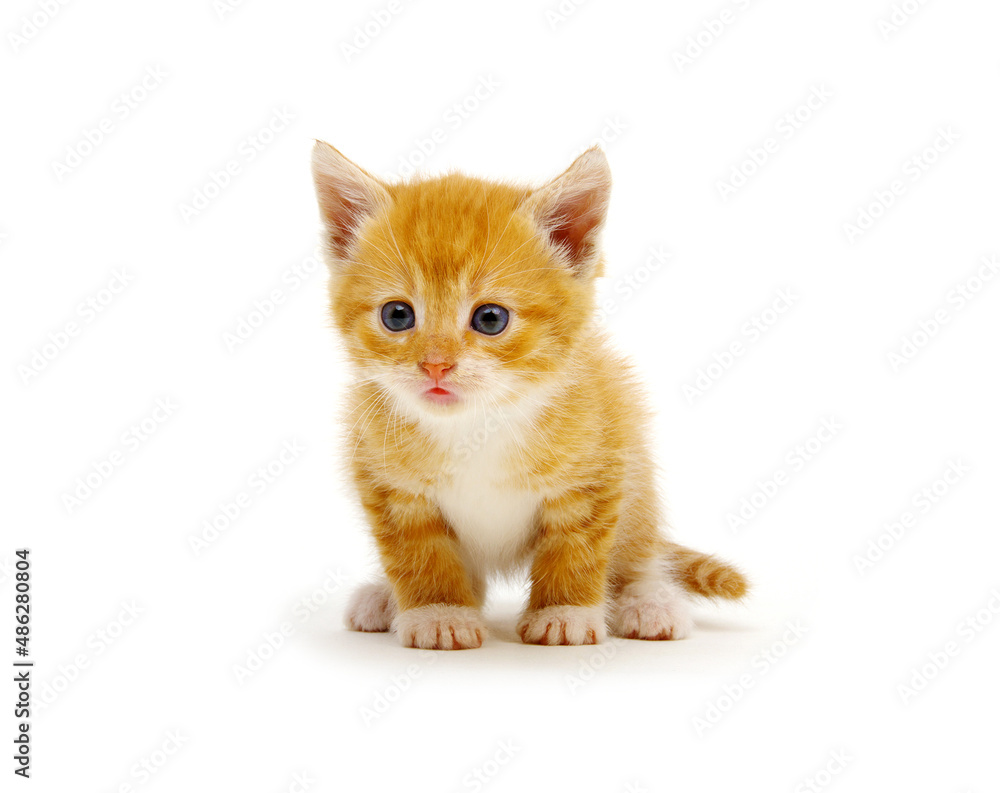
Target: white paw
(371,608)
(661,614)
(563,625)
(440,627)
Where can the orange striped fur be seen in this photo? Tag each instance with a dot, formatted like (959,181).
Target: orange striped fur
(477,454)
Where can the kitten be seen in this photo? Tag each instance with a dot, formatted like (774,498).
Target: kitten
(492,427)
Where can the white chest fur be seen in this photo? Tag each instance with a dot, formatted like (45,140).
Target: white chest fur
(493,521)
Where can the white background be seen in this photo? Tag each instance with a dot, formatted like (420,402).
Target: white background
(746,703)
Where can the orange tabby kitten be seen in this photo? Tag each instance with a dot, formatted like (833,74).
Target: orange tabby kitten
(493,428)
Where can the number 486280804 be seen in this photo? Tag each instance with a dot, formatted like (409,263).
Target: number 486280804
(22,610)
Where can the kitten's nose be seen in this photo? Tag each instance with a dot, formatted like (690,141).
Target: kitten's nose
(437,370)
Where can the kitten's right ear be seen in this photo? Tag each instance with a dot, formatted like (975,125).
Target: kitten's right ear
(347,195)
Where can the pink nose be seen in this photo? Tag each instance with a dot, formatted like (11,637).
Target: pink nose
(437,370)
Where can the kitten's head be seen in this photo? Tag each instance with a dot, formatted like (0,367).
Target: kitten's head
(454,292)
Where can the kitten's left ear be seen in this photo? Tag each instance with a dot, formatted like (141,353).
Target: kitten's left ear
(572,207)
(347,196)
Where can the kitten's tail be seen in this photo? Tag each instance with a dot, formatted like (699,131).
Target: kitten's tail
(706,575)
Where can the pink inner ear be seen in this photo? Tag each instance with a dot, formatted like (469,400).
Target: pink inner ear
(577,217)
(343,214)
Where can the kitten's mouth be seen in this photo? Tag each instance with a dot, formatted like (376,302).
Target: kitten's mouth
(440,396)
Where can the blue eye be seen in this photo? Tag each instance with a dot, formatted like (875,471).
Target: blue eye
(490,319)
(398,316)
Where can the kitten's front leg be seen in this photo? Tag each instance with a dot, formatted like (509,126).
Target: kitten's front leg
(437,604)
(568,575)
